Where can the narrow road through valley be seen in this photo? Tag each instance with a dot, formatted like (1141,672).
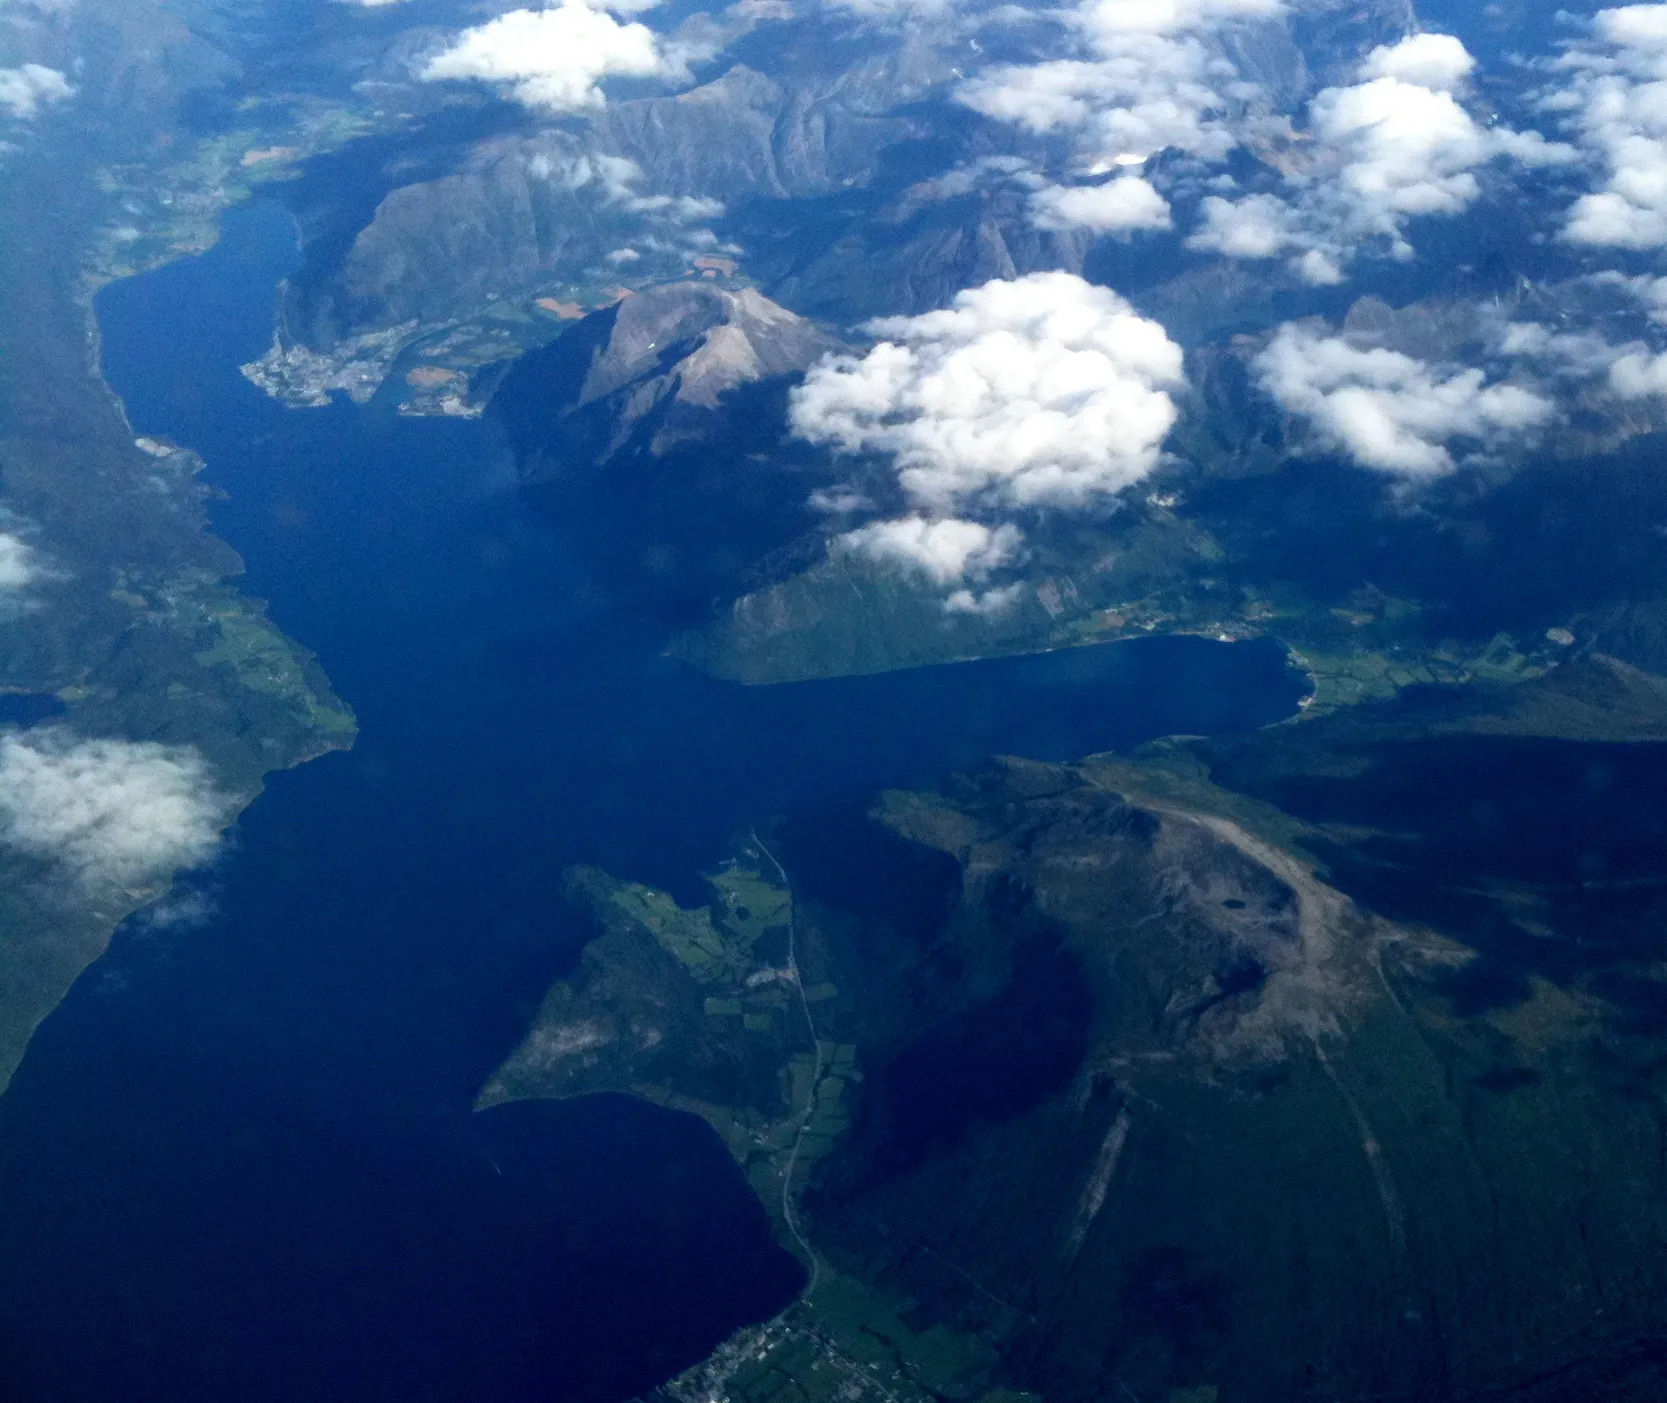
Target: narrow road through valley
(788,1212)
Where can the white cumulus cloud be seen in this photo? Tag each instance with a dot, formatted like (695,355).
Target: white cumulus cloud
(1387,410)
(1257,226)
(1639,375)
(989,601)
(1407,145)
(1118,205)
(23,90)
(552,59)
(111,812)
(1039,391)
(1150,77)
(1436,61)
(19,563)
(1614,98)
(1567,355)
(947,550)
(1396,145)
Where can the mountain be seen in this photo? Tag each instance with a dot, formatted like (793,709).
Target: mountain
(1261,1067)
(654,433)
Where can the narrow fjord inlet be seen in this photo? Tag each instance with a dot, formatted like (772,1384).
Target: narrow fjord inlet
(255,1132)
(833,701)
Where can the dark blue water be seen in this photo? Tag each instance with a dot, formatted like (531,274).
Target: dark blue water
(29,708)
(239,1162)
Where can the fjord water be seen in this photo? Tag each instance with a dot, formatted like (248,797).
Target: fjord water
(240,1161)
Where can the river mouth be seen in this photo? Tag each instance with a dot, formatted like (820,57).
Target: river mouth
(240,1162)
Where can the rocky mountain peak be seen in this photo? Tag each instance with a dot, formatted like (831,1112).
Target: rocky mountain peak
(694,342)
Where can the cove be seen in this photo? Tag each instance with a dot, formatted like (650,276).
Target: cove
(240,1161)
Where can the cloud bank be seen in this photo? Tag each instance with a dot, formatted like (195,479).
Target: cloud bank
(1390,411)
(553,59)
(109,812)
(1040,391)
(23,90)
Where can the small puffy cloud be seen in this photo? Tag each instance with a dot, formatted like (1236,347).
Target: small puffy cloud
(1436,61)
(1117,206)
(1614,219)
(23,90)
(180,909)
(1639,375)
(110,812)
(947,551)
(1151,77)
(1153,95)
(1040,97)
(1396,145)
(1040,391)
(552,59)
(19,564)
(985,602)
(1387,410)
(1258,226)
(1408,147)
(1570,355)
(1411,149)
(973,175)
(1651,292)
(1614,98)
(617,179)
(678,209)
(1318,268)
(1265,226)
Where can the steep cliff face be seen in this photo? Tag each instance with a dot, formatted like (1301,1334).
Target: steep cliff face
(655,434)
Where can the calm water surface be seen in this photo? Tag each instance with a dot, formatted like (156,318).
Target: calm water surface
(239,1163)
